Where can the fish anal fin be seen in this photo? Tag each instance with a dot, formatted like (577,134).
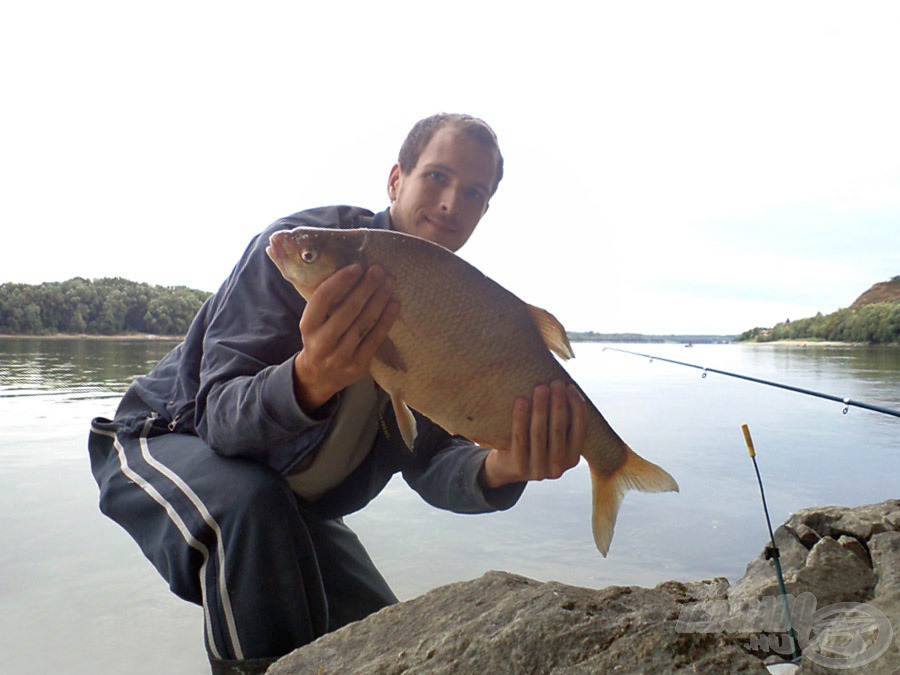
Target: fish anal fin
(635,473)
(406,422)
(552,332)
(390,356)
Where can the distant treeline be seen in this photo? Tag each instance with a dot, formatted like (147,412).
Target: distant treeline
(97,307)
(591,336)
(877,323)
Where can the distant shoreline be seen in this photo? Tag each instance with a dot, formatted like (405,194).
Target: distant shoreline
(816,343)
(85,336)
(637,339)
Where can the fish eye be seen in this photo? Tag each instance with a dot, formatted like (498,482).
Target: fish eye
(309,255)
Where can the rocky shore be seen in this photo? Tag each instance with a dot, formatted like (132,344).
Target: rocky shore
(842,577)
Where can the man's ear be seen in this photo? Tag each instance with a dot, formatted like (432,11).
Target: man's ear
(393,185)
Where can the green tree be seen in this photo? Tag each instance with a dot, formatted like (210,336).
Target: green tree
(102,306)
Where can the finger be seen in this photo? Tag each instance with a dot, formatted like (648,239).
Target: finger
(328,293)
(373,313)
(558,449)
(349,308)
(373,338)
(343,312)
(537,447)
(577,424)
(520,432)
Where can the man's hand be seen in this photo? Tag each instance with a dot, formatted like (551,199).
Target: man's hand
(548,434)
(345,321)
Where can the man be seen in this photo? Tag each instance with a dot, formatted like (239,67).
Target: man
(232,462)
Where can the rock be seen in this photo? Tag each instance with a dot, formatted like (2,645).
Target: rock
(833,574)
(860,522)
(830,572)
(885,551)
(877,654)
(760,577)
(807,536)
(502,623)
(847,543)
(852,544)
(889,662)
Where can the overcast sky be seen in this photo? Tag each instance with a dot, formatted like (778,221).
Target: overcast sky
(678,167)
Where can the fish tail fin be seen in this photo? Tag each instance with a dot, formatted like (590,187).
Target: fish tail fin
(635,473)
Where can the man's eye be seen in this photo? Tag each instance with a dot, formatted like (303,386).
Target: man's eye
(436,175)
(474,194)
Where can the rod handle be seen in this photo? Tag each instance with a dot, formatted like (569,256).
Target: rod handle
(749,440)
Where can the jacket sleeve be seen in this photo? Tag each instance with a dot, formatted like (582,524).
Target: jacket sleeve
(245,405)
(446,473)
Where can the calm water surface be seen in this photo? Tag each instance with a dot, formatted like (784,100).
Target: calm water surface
(78,597)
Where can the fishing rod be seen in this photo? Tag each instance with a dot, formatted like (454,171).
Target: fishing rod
(809,392)
(772,551)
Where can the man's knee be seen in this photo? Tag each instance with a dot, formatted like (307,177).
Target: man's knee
(252,492)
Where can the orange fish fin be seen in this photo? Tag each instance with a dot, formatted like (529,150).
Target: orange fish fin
(405,420)
(390,356)
(552,332)
(636,473)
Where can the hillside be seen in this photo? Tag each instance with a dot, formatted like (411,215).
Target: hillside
(873,318)
(884,291)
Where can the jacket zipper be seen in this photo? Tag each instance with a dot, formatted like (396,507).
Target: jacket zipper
(174,423)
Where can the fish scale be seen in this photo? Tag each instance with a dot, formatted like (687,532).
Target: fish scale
(462,350)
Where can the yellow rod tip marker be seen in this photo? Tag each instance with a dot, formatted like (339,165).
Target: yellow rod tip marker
(749,440)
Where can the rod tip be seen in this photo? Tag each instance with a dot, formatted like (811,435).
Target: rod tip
(748,440)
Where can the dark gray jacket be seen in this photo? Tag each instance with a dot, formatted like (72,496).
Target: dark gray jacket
(231,383)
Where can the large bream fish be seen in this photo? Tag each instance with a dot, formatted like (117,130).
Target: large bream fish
(462,350)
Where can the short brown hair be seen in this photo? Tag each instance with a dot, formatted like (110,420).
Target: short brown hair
(423,131)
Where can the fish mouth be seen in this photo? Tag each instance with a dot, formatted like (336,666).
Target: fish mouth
(275,249)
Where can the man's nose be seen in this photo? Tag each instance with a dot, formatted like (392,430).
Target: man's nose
(450,199)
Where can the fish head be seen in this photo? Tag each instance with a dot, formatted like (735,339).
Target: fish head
(306,256)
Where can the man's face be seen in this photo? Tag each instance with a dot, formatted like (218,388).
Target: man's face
(444,195)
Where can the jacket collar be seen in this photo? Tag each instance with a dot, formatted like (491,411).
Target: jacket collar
(382,221)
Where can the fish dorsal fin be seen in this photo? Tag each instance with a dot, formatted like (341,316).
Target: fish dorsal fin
(552,332)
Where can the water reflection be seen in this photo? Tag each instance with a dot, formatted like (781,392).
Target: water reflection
(73,368)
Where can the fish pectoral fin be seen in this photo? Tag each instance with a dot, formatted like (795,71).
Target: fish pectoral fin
(390,356)
(405,421)
(636,473)
(552,332)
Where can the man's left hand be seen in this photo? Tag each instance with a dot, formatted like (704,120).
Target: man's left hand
(548,435)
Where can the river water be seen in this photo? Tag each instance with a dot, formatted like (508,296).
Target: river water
(78,597)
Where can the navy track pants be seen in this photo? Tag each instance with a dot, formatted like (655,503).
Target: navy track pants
(230,535)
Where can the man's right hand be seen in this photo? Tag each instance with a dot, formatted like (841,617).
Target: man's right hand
(345,321)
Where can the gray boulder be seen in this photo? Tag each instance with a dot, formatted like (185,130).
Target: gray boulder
(853,556)
(503,623)
(859,522)
(885,551)
(759,578)
(832,574)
